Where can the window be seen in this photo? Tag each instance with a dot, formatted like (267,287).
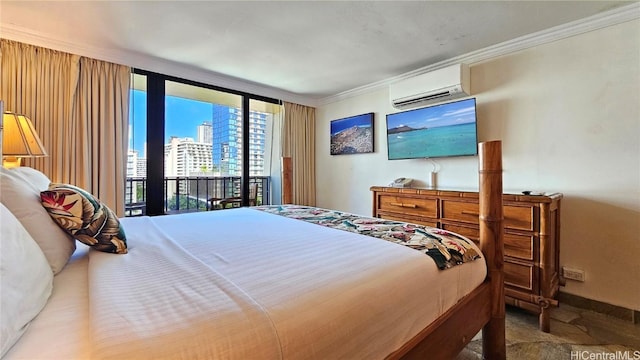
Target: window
(198,141)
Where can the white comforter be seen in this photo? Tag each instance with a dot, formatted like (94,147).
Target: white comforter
(245,284)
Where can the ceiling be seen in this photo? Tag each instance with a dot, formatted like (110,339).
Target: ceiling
(313,49)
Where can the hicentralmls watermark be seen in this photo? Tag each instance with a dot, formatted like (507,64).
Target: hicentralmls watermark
(615,355)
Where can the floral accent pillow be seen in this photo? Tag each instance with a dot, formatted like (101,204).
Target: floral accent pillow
(84,217)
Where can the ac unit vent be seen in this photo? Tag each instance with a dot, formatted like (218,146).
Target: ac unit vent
(410,102)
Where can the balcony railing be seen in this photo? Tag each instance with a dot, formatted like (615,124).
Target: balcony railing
(191,193)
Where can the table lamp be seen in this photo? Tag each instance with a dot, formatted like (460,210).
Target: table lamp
(19,140)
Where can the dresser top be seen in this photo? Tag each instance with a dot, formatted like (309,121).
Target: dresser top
(546,197)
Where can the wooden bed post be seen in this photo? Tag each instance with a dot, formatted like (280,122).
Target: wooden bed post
(483,308)
(491,243)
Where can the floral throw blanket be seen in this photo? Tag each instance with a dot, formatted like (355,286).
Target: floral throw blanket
(447,249)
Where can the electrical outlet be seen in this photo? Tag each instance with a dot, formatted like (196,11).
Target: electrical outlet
(573,274)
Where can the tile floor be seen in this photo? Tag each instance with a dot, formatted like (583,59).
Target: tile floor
(574,331)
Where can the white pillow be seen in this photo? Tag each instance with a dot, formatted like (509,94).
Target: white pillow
(23,201)
(26,280)
(33,177)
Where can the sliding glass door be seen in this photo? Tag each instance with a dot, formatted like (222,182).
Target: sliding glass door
(201,160)
(201,143)
(265,122)
(135,190)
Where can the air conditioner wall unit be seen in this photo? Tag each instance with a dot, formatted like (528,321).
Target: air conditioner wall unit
(442,85)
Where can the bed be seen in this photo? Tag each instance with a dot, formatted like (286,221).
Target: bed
(247,283)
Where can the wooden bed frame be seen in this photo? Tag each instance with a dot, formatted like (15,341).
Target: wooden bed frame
(484,308)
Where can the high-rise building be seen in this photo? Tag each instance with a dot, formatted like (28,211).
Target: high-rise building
(227,141)
(132,160)
(132,172)
(183,156)
(141,167)
(205,133)
(257,134)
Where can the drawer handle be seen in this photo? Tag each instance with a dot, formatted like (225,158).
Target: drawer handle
(466,212)
(413,206)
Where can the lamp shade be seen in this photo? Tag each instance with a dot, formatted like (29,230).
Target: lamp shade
(20,138)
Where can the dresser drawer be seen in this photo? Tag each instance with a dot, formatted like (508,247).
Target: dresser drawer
(467,231)
(460,211)
(518,275)
(515,217)
(409,205)
(515,245)
(519,217)
(519,246)
(410,219)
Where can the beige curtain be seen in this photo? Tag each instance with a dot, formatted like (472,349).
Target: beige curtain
(80,108)
(299,143)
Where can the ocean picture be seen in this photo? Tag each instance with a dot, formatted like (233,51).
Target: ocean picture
(437,131)
(352,135)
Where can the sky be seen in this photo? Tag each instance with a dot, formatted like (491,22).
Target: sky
(183,117)
(358,120)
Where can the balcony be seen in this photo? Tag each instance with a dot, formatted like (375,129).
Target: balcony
(184,194)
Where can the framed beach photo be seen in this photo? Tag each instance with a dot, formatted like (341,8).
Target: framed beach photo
(352,135)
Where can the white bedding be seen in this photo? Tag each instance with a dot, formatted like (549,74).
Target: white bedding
(243,284)
(60,330)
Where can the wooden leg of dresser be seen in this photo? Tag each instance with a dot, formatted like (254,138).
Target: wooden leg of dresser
(545,312)
(545,319)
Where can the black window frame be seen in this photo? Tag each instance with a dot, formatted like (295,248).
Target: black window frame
(156,135)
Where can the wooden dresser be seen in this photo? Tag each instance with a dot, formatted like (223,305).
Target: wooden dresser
(531,235)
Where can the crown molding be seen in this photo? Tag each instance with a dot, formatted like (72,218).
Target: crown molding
(605,19)
(149,63)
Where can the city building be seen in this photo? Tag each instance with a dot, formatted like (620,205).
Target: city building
(205,133)
(227,141)
(141,167)
(132,172)
(185,157)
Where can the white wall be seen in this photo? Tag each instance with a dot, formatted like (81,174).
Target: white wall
(568,114)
